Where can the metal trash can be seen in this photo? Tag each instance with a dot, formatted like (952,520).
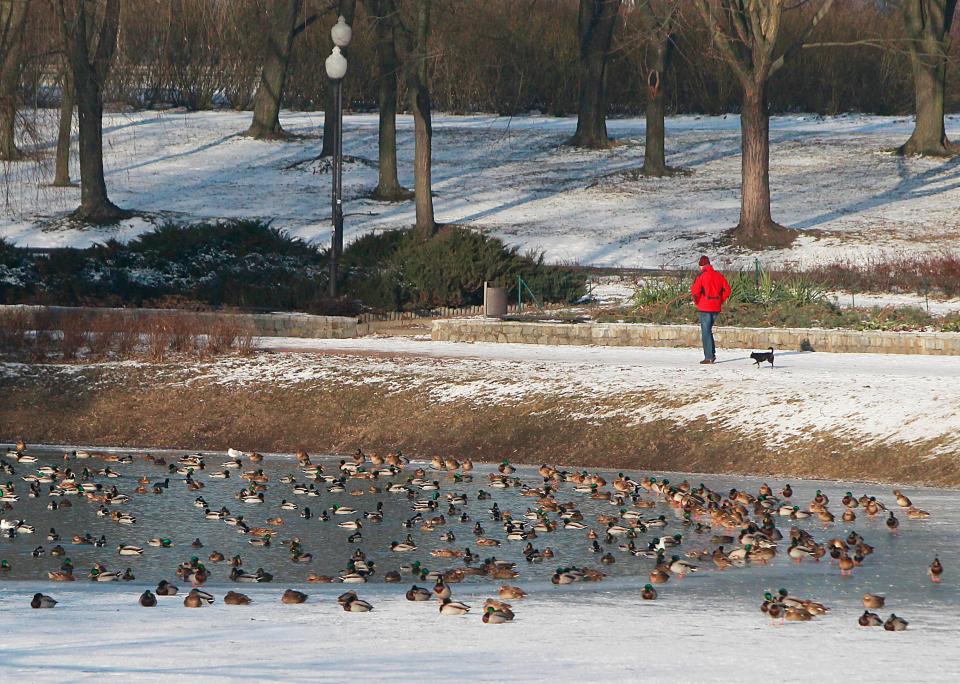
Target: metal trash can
(494,301)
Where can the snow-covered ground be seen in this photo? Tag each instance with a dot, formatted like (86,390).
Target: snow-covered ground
(580,633)
(845,394)
(514,177)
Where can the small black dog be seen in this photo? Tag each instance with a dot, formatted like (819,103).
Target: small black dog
(760,357)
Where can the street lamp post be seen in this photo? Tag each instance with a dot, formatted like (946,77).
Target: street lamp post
(336,66)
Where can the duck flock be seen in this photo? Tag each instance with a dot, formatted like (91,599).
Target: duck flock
(667,530)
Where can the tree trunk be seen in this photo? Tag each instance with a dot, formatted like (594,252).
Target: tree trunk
(595,24)
(347,11)
(654,155)
(426,225)
(90,50)
(928,24)
(95,206)
(273,76)
(757,228)
(422,161)
(388,186)
(61,178)
(13,14)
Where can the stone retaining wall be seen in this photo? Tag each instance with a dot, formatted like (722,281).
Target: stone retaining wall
(259,324)
(649,335)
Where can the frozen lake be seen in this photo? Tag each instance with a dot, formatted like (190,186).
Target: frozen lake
(706,626)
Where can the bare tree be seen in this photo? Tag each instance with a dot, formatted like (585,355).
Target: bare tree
(414,43)
(659,27)
(89,31)
(346,9)
(595,23)
(747,35)
(928,25)
(388,186)
(13,16)
(266,103)
(61,176)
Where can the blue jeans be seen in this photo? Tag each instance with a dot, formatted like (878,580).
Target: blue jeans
(706,334)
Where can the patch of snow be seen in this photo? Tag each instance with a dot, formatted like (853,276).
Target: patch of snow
(513,177)
(847,394)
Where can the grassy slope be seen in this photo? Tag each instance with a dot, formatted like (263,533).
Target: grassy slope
(151,405)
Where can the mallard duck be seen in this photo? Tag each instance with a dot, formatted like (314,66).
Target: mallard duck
(493,616)
(659,576)
(164,588)
(873,601)
(441,589)
(352,604)
(42,601)
(234,598)
(197,598)
(774,609)
(648,593)
(869,619)
(448,607)
(892,522)
(352,578)
(846,564)
(147,599)
(512,593)
(130,550)
(238,575)
(935,570)
(681,567)
(321,579)
(416,593)
(292,596)
(402,547)
(895,624)
(104,576)
(798,552)
(797,615)
(902,500)
(61,575)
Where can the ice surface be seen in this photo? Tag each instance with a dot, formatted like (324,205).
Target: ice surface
(705,627)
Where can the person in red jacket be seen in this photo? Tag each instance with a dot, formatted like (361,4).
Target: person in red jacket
(710,290)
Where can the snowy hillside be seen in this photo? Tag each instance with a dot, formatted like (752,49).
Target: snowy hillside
(830,177)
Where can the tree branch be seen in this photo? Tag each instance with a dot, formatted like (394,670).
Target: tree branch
(799,43)
(723,42)
(302,26)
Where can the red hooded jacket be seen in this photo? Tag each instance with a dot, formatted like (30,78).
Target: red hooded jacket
(710,290)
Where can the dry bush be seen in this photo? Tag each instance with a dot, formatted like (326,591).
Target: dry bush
(104,335)
(73,334)
(184,333)
(245,346)
(40,344)
(923,273)
(159,338)
(14,325)
(223,335)
(129,330)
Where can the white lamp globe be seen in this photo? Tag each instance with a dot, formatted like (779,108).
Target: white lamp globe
(341,33)
(336,65)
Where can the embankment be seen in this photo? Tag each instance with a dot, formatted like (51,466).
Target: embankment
(341,402)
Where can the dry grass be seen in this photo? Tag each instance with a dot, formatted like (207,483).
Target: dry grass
(922,274)
(37,335)
(134,407)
